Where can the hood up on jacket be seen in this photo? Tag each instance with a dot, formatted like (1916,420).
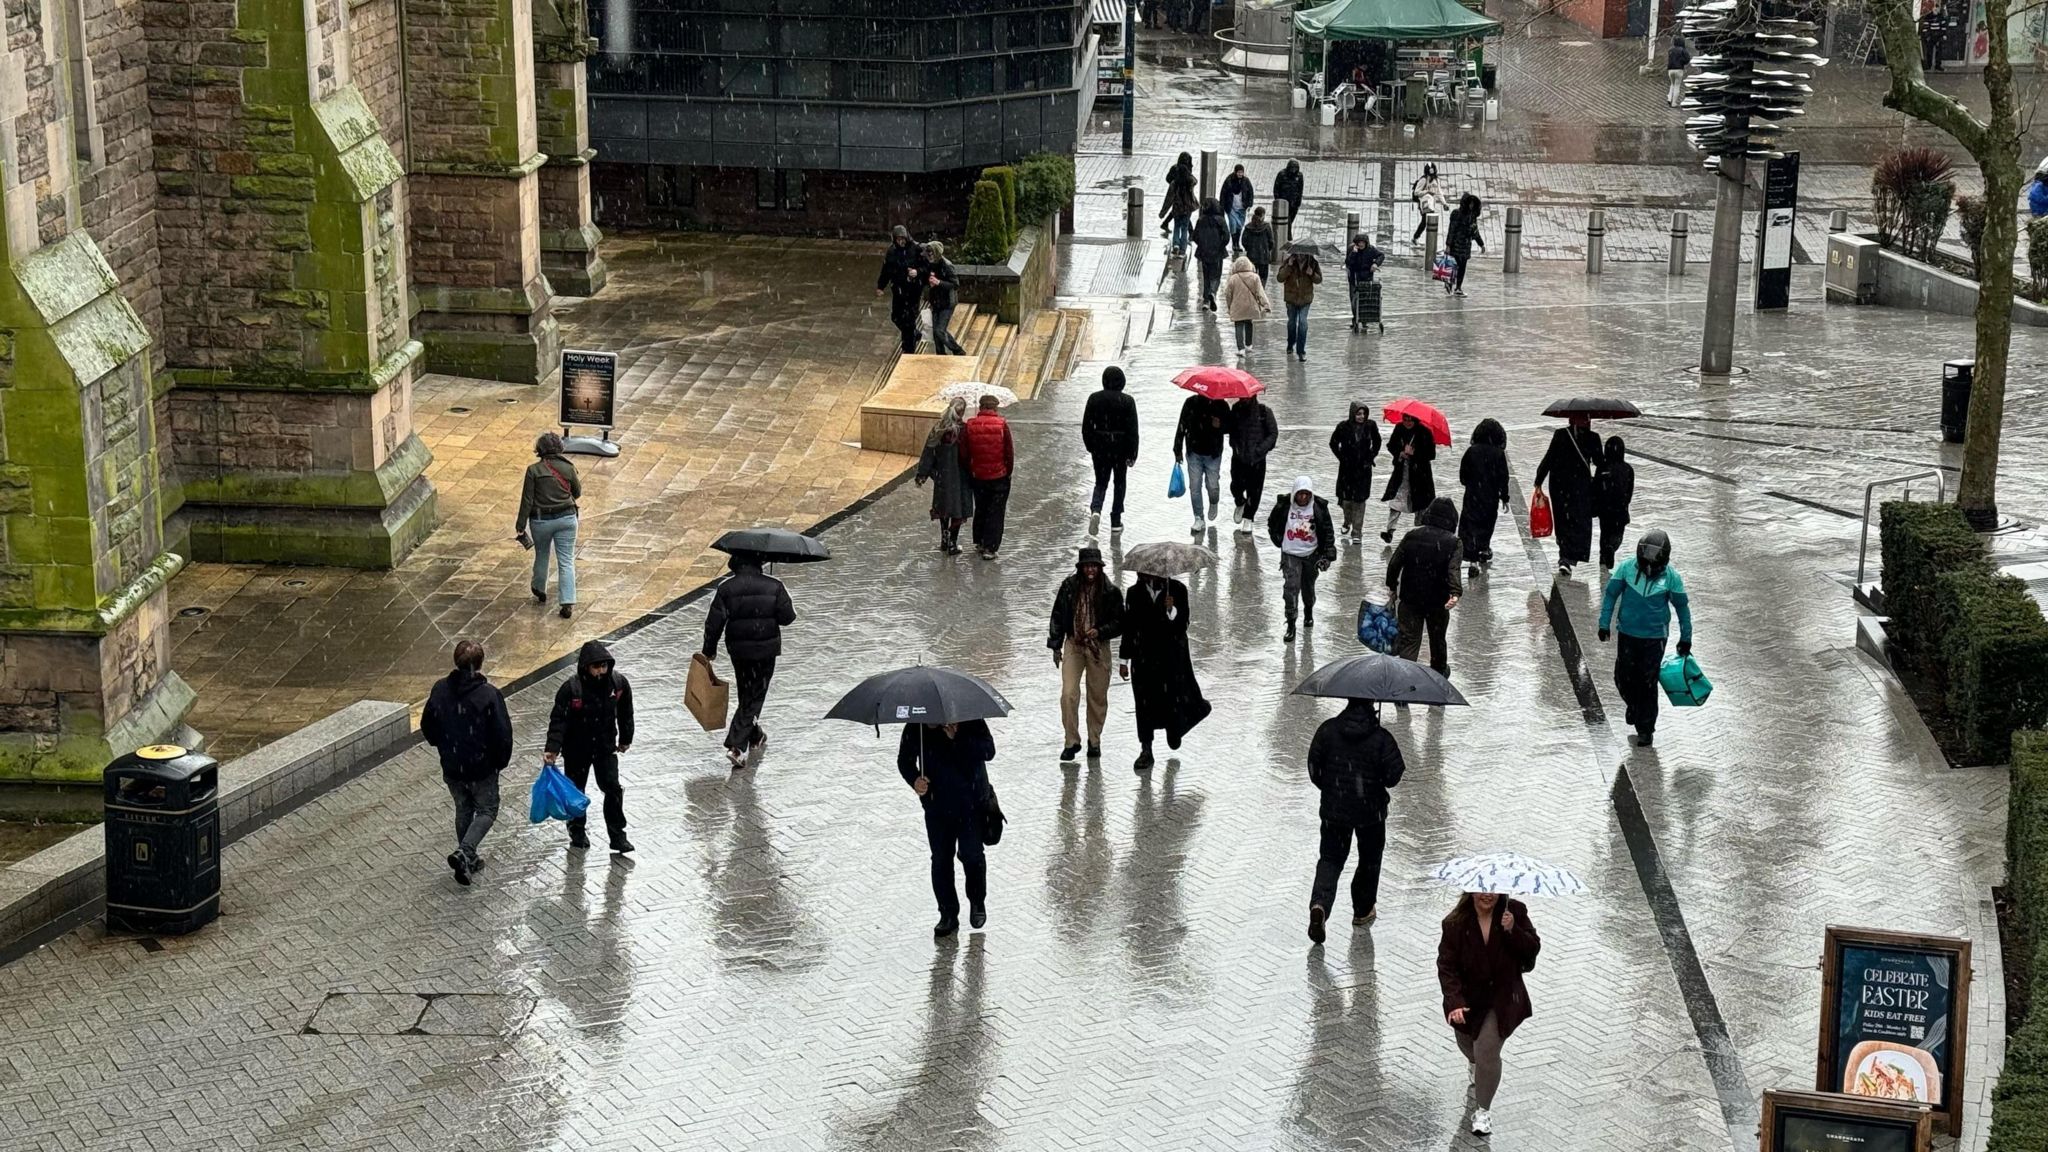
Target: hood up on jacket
(1441,513)
(1490,432)
(1304,484)
(594,653)
(1113,378)
(1358,406)
(1616,452)
(1242,264)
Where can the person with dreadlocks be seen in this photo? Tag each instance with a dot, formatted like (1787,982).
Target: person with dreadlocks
(1647,590)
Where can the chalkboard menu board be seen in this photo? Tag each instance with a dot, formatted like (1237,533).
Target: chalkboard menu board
(589,383)
(1827,1122)
(1894,1010)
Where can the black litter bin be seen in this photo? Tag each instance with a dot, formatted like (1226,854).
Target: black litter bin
(163,840)
(1955,398)
(1489,77)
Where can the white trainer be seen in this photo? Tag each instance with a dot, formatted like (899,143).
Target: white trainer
(1482,1122)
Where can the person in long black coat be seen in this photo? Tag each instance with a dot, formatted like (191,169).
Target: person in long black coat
(1484,472)
(1355,443)
(1153,656)
(1410,486)
(947,766)
(1568,465)
(1614,488)
(1212,243)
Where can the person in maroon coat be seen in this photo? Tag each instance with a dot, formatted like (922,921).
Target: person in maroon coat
(1488,943)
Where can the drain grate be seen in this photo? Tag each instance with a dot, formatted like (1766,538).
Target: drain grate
(496,1014)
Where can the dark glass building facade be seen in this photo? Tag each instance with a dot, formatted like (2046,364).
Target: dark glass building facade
(824,115)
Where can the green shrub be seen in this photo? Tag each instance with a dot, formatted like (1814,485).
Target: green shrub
(2037,254)
(2019,1106)
(1006,179)
(1913,188)
(1919,541)
(1045,184)
(1994,659)
(988,239)
(1970,214)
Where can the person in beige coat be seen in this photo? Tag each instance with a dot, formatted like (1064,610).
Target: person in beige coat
(1244,298)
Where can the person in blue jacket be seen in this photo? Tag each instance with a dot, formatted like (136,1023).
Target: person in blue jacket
(2037,192)
(1647,589)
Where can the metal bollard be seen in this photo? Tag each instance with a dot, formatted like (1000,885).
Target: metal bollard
(1838,221)
(1596,240)
(1283,225)
(1134,212)
(1208,175)
(1350,229)
(1511,243)
(1429,245)
(1679,227)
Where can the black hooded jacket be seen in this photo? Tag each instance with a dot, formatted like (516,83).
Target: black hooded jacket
(592,714)
(1288,186)
(1424,569)
(1353,760)
(903,271)
(1253,430)
(466,721)
(1614,485)
(751,608)
(1355,445)
(1239,186)
(1109,424)
(1212,236)
(1203,425)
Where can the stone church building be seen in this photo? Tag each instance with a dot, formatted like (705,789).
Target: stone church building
(235,233)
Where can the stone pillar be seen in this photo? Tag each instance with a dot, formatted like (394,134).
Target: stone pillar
(568,236)
(84,655)
(475,160)
(281,222)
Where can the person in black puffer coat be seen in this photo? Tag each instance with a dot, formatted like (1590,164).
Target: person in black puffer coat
(466,721)
(1353,761)
(1109,433)
(1424,577)
(592,723)
(1484,473)
(750,608)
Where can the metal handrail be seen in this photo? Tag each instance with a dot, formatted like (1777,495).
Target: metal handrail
(1217,34)
(1863,545)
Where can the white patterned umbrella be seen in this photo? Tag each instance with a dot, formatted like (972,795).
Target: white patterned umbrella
(1168,558)
(973,390)
(1509,874)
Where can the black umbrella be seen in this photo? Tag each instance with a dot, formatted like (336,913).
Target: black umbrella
(777,544)
(1304,248)
(1593,408)
(925,694)
(1388,679)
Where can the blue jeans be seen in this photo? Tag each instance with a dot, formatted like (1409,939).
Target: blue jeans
(1203,471)
(1180,234)
(1236,219)
(560,534)
(1297,328)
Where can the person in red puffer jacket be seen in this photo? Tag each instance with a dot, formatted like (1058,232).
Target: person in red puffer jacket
(990,454)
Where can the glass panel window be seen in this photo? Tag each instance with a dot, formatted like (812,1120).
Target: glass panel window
(941,38)
(942,81)
(977,77)
(1021,31)
(671,186)
(806,79)
(978,34)
(764,188)
(1059,28)
(742,34)
(1021,72)
(793,188)
(745,78)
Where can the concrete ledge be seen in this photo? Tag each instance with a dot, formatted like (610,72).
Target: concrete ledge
(56,888)
(1903,282)
(1013,291)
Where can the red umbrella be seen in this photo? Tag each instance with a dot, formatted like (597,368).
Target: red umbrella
(1220,383)
(1425,415)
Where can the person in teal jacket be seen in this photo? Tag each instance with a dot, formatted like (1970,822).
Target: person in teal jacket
(1647,589)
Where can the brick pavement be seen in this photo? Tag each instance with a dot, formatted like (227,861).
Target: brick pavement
(762,976)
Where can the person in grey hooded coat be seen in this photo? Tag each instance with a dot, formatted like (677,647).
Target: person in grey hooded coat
(941,465)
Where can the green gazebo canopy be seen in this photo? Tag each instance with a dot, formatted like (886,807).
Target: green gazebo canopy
(1394,20)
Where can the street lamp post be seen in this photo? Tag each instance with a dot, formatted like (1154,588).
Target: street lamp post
(1130,70)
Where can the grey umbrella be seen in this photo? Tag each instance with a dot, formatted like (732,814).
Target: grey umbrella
(1387,679)
(925,694)
(777,544)
(1168,558)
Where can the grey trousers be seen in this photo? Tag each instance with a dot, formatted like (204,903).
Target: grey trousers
(476,809)
(1298,583)
(1484,1055)
(1354,516)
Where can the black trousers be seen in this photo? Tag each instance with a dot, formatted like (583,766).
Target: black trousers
(1371,834)
(991,503)
(1610,539)
(1411,623)
(1247,484)
(1108,470)
(903,313)
(1458,277)
(753,677)
(1636,660)
(956,834)
(577,765)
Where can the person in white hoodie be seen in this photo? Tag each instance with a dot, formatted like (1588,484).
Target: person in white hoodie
(1300,527)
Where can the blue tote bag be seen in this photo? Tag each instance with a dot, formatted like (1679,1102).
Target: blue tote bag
(555,798)
(1177,484)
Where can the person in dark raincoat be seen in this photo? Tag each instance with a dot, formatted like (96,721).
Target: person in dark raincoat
(1424,577)
(1212,244)
(903,275)
(590,727)
(1355,443)
(952,495)
(749,612)
(1288,186)
(1180,203)
(947,766)
(1568,465)
(1488,943)
(1257,238)
(1614,488)
(1352,761)
(1484,472)
(1410,486)
(1153,656)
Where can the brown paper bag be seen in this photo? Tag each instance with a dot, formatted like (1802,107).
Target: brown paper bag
(705,695)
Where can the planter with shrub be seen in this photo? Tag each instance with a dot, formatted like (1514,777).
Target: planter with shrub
(2019,1105)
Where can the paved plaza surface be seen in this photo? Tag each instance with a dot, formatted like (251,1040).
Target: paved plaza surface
(761,973)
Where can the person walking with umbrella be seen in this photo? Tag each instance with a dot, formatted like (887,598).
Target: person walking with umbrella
(1356,444)
(1109,432)
(903,276)
(749,610)
(1488,943)
(1153,655)
(1352,761)
(1300,526)
(1568,464)
(1647,590)
(1614,489)
(1423,575)
(1299,275)
(947,766)
(1411,486)
(1212,244)
(943,464)
(991,457)
(1484,472)
(1198,439)
(1087,613)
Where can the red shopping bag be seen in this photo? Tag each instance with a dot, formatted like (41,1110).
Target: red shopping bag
(1539,514)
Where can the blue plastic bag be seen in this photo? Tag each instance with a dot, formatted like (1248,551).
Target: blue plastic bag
(555,798)
(1376,626)
(1684,684)
(1177,484)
